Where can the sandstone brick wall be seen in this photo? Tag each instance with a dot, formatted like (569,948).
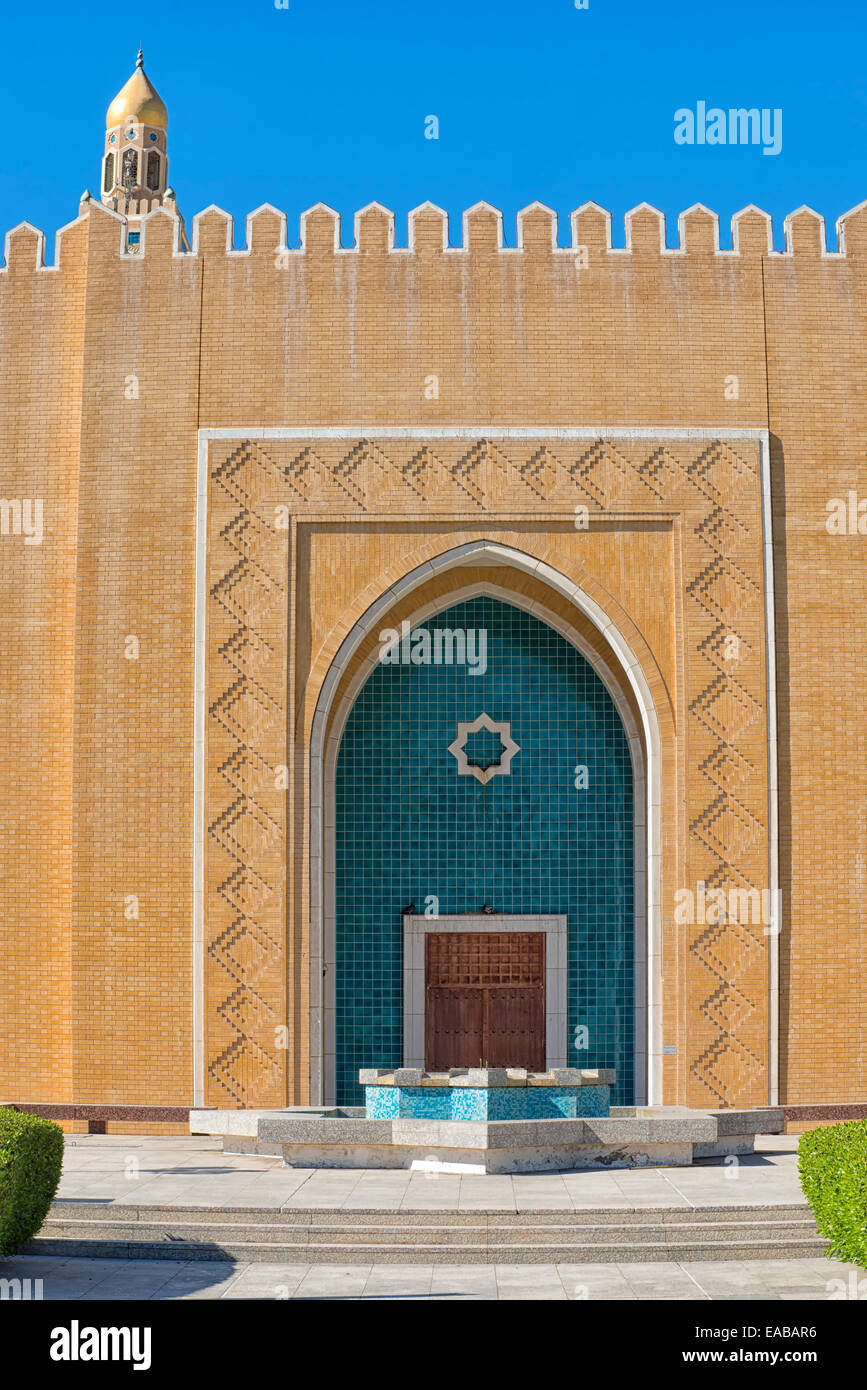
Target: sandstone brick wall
(41,351)
(97,754)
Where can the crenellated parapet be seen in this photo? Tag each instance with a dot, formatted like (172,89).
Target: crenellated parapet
(538,235)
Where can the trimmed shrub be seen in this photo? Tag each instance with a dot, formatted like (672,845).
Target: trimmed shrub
(832,1166)
(31,1157)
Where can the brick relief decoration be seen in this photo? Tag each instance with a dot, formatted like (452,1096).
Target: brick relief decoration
(726,740)
(246,705)
(262,493)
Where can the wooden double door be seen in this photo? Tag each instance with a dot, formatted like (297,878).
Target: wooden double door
(485,1000)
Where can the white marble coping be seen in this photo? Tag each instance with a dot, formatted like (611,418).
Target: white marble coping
(485,1077)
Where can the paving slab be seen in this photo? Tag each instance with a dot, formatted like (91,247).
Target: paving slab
(390,1281)
(205,1279)
(733,1278)
(321,1197)
(662,1281)
(583,1282)
(530,1282)
(272,1281)
(463,1281)
(382,1190)
(487,1192)
(131,1285)
(431,1192)
(333,1281)
(539,1193)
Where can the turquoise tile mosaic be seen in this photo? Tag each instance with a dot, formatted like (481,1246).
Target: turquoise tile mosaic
(486,1103)
(410,829)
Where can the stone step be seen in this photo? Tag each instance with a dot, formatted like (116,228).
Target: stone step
(599,1235)
(391,1253)
(402,1218)
(442,1233)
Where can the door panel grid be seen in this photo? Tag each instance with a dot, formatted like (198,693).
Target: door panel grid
(485,999)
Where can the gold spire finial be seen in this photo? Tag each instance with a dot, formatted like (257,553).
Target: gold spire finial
(138,100)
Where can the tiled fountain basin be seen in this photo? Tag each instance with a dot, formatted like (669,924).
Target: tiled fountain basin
(489,1093)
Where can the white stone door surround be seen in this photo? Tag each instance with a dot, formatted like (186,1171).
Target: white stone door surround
(416,928)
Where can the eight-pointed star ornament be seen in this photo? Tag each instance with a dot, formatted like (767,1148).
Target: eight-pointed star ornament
(459,748)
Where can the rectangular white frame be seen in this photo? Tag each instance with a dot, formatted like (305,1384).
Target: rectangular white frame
(654,1041)
(416,929)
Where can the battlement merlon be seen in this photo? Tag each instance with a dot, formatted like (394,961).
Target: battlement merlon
(162,234)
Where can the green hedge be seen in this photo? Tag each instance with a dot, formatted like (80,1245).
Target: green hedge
(832,1165)
(31,1157)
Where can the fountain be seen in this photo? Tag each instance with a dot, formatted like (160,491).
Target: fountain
(487,1120)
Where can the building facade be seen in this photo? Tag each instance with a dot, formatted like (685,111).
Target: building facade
(429,653)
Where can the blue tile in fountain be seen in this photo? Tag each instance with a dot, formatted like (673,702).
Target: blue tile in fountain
(593,1102)
(470,1102)
(382,1102)
(424,1102)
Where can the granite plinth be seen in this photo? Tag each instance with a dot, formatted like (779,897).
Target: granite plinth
(651,1136)
(244,1123)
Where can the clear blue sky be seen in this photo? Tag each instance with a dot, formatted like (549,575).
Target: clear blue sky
(327,100)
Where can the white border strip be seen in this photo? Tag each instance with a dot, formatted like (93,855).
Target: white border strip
(540,432)
(199,694)
(774,927)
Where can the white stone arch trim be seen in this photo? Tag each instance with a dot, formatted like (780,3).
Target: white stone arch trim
(645,750)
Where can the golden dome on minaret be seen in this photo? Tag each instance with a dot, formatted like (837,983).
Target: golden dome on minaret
(138,101)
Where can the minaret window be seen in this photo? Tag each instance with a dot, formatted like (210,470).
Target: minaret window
(130,167)
(108,180)
(153,174)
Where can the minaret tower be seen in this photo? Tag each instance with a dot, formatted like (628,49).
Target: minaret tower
(135,165)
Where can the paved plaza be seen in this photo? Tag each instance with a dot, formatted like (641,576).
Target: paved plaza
(94,1280)
(191,1172)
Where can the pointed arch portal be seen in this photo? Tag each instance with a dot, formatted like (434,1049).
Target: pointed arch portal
(572,830)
